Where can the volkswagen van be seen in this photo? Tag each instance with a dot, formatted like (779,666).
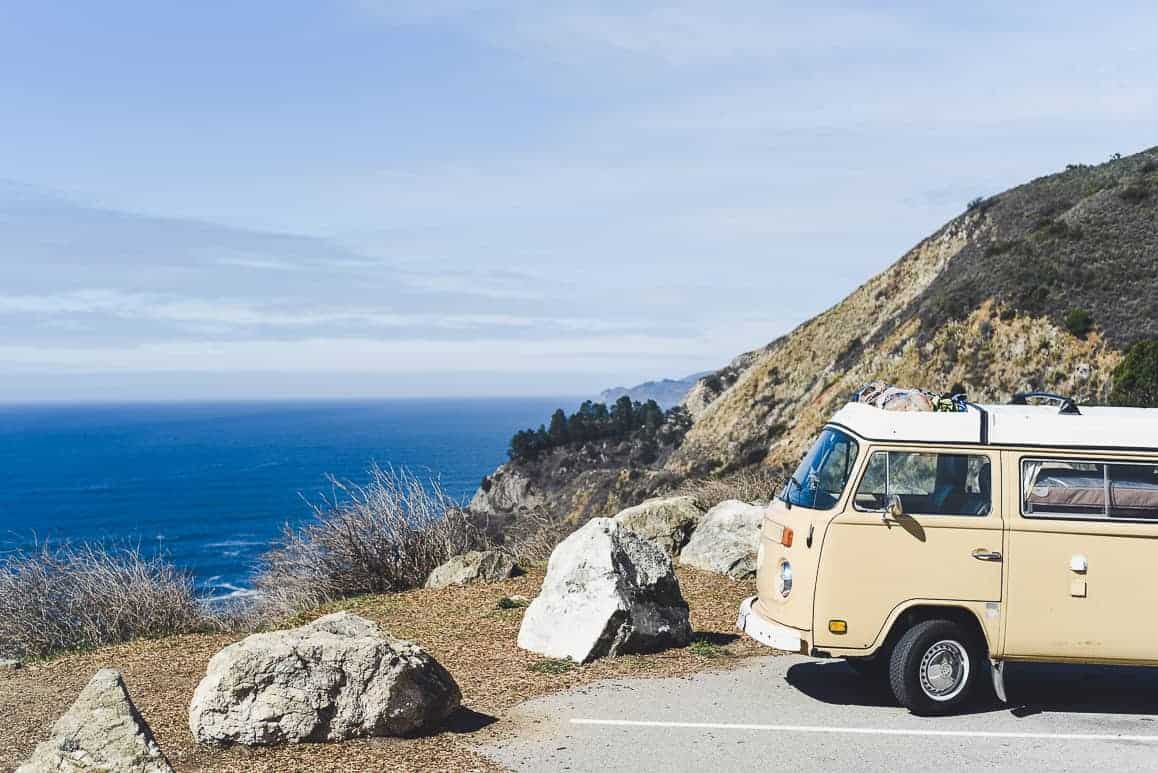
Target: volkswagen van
(930,549)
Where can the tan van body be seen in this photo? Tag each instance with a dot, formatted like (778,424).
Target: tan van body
(1049,564)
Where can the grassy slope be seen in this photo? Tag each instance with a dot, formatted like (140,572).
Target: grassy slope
(460,626)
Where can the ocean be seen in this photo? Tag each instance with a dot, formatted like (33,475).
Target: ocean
(211,484)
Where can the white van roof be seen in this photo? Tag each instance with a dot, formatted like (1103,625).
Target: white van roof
(1009,425)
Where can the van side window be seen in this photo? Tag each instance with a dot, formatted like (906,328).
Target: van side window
(1070,488)
(927,483)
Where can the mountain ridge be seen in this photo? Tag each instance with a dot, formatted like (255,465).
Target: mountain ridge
(667,392)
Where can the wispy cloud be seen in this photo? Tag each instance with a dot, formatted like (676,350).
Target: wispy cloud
(369,355)
(232,314)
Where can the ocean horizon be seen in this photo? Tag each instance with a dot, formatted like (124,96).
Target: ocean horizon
(209,485)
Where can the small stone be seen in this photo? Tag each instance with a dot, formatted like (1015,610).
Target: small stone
(9,664)
(473,567)
(102,731)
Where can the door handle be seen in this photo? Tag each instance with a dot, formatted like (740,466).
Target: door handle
(981,554)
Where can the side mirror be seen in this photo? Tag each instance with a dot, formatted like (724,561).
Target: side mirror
(894,509)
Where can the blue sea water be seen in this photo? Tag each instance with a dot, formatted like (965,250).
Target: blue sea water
(211,484)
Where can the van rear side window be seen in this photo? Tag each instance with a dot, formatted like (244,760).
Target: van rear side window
(1073,488)
(927,483)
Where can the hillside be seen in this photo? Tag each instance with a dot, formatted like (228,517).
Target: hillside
(1043,286)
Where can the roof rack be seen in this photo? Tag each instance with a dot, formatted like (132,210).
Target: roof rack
(1066,404)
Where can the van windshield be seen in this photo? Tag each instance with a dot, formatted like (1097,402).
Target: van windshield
(824,472)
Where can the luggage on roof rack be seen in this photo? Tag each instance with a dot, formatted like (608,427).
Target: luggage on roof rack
(894,398)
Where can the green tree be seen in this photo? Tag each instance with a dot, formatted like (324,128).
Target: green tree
(623,415)
(1136,376)
(651,417)
(558,430)
(1079,322)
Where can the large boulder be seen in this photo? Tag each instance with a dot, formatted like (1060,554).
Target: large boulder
(608,591)
(726,540)
(668,522)
(102,731)
(472,567)
(337,678)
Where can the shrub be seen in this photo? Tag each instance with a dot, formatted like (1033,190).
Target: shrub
(757,483)
(1058,228)
(999,247)
(705,649)
(975,204)
(512,602)
(1134,193)
(387,535)
(1148,166)
(72,597)
(552,666)
(1136,376)
(1079,322)
(533,536)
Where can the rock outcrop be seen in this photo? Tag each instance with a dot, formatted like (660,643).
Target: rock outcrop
(608,591)
(472,567)
(9,664)
(667,522)
(726,540)
(337,678)
(505,491)
(102,731)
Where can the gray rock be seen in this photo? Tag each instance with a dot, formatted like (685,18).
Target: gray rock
(608,591)
(102,731)
(505,491)
(9,664)
(668,523)
(337,678)
(472,567)
(726,540)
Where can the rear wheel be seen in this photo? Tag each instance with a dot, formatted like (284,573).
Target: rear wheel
(934,667)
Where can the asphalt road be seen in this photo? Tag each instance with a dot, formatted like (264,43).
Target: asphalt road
(793,713)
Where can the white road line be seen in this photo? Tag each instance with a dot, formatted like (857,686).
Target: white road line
(869,730)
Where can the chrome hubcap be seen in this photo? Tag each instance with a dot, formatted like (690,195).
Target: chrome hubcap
(944,670)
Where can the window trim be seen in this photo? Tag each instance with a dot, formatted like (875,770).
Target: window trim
(1105,517)
(932,451)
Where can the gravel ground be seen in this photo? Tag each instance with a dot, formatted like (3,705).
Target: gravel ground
(460,626)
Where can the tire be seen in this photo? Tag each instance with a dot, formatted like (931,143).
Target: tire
(875,668)
(934,667)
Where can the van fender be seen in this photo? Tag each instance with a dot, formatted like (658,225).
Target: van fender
(976,614)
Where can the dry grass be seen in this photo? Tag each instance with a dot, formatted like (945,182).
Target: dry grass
(386,535)
(758,483)
(66,597)
(470,636)
(536,538)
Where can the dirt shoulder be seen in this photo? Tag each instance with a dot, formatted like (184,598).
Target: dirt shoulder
(462,627)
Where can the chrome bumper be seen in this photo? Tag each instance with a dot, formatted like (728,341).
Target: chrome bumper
(774,635)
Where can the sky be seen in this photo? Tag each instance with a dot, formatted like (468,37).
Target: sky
(376,198)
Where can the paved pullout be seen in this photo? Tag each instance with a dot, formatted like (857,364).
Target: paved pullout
(791,713)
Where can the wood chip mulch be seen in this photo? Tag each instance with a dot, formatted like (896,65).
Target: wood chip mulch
(461,627)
